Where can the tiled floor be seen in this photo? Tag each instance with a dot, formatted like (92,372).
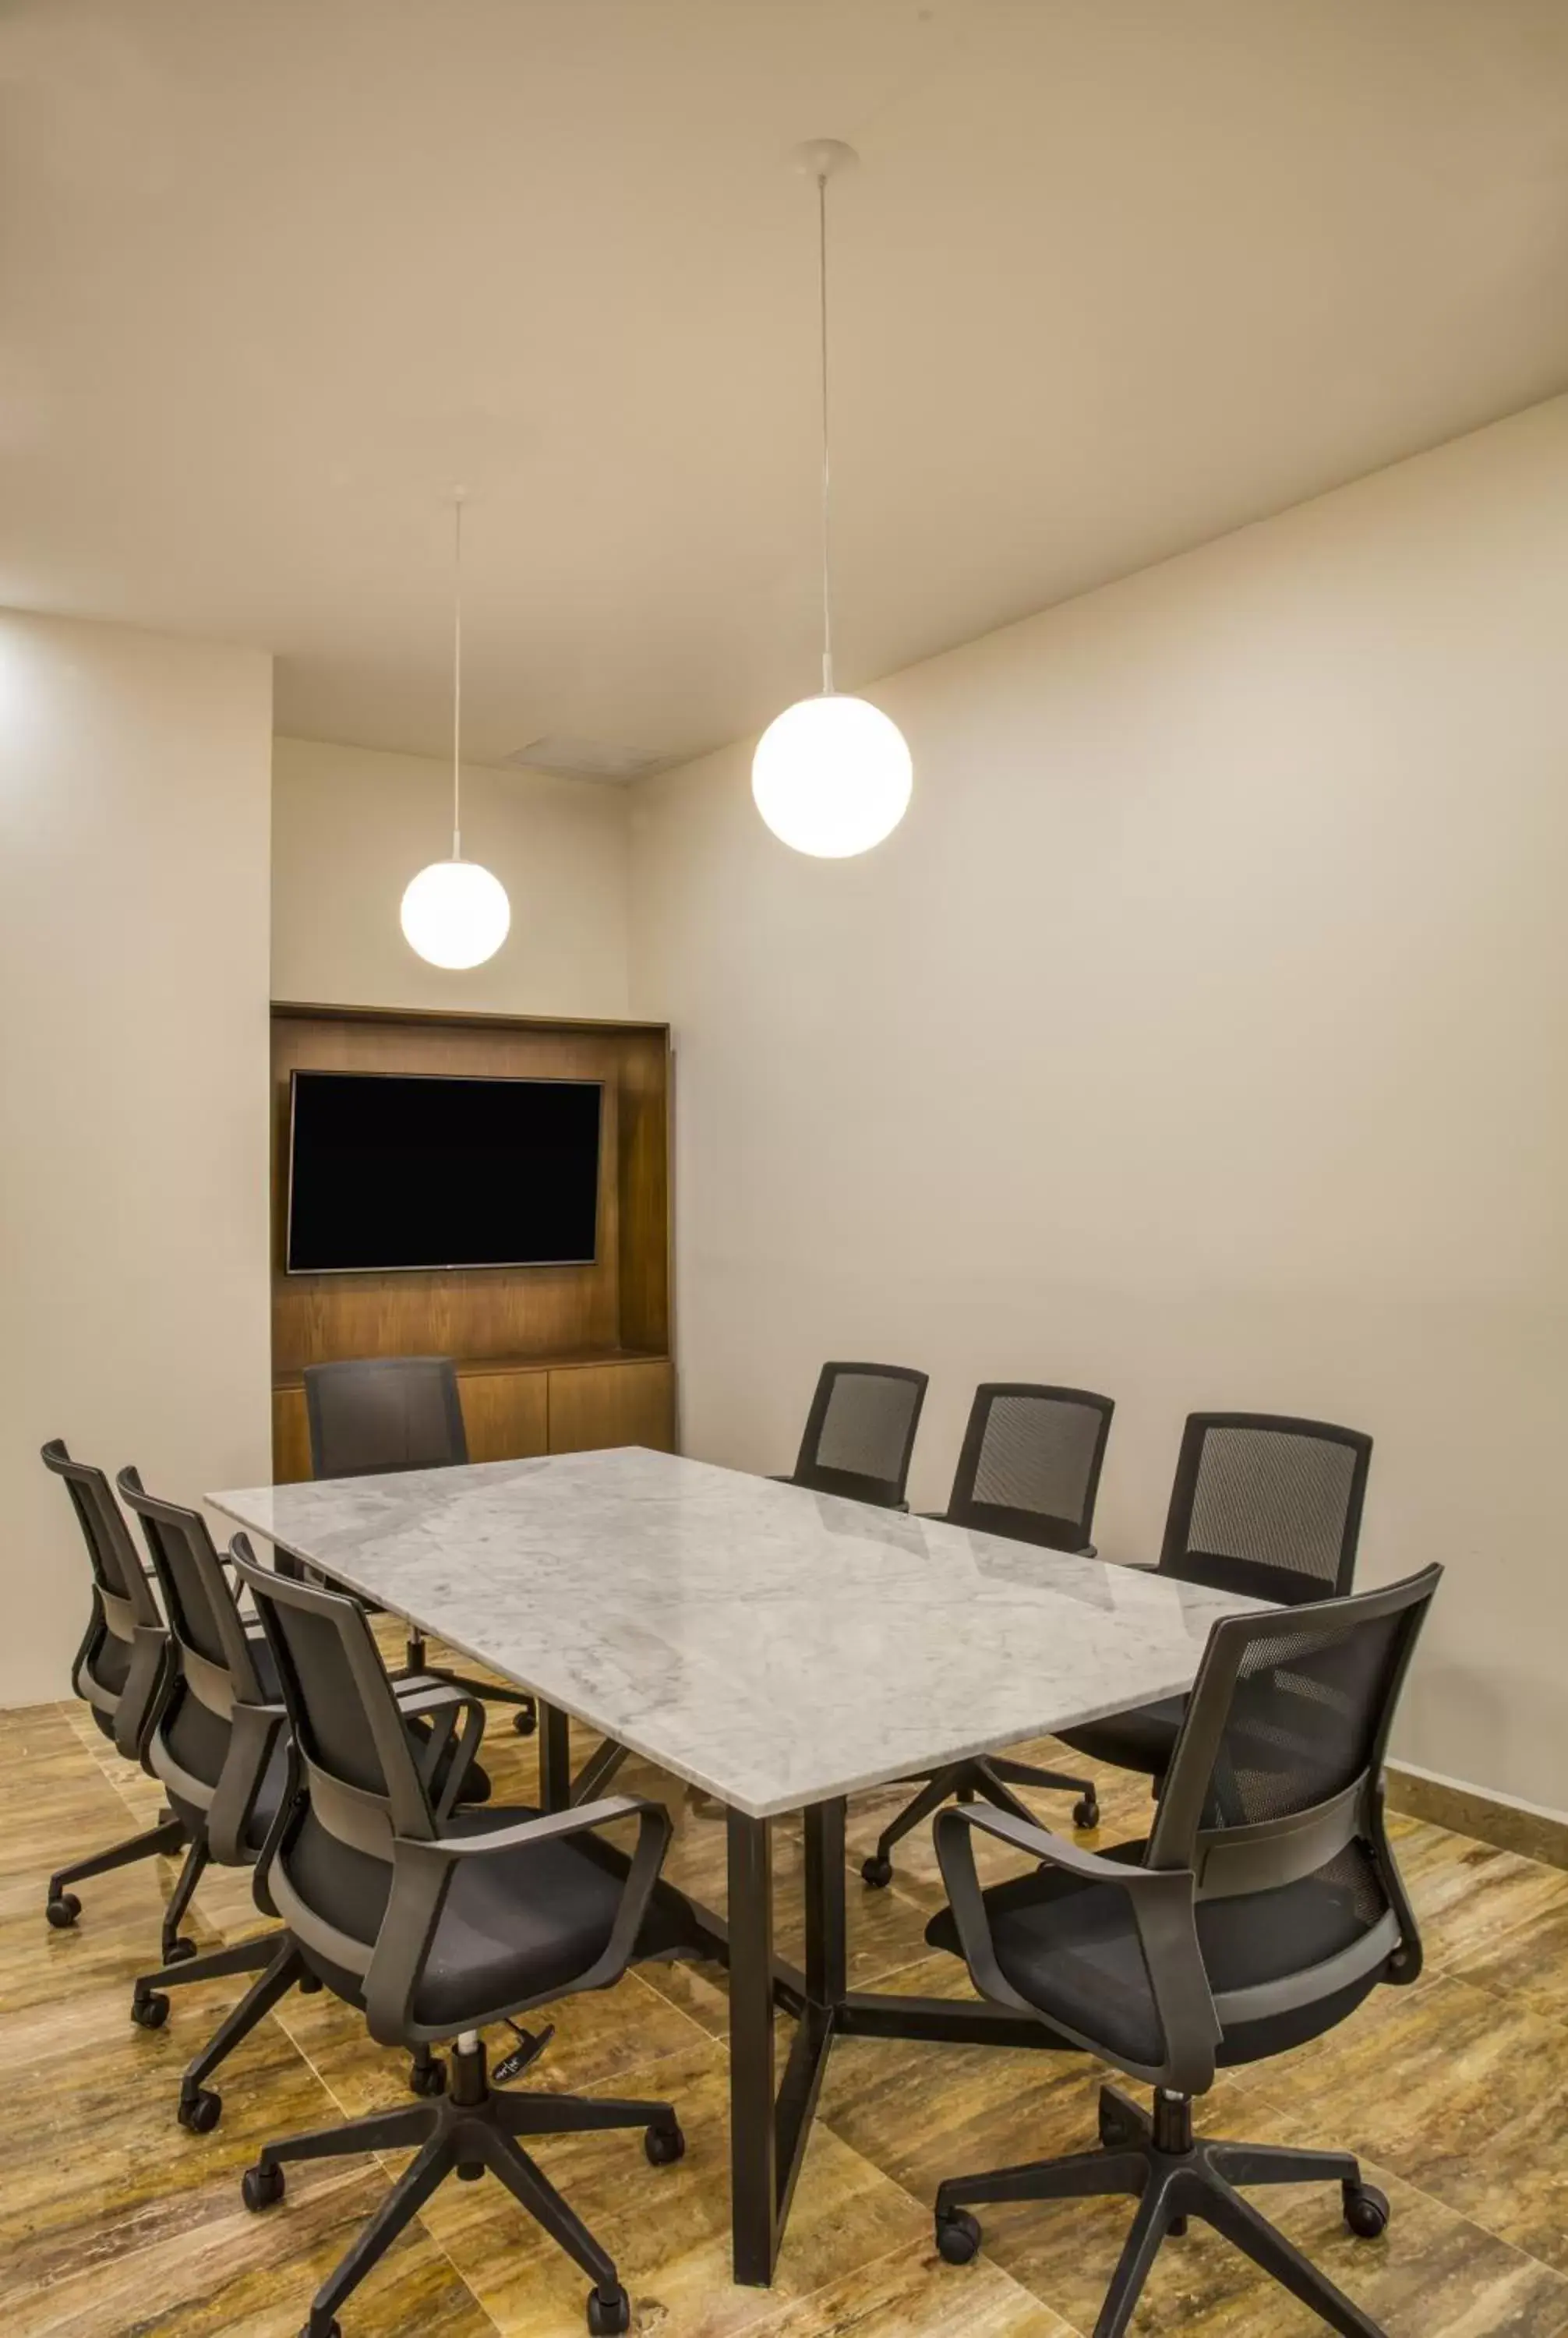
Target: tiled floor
(114,2223)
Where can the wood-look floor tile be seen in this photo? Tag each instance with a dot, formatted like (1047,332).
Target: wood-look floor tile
(913,2295)
(1468,1896)
(92,2159)
(1529,1962)
(1462,2092)
(114,2224)
(668,2228)
(116,1935)
(597,2035)
(229,2272)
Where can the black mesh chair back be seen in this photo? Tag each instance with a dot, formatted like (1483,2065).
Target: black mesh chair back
(382,1413)
(119,1665)
(224,1680)
(1276,1790)
(388,1927)
(1267,1901)
(1265,1906)
(1030,1464)
(437,1928)
(1267,1506)
(332,1872)
(860,1432)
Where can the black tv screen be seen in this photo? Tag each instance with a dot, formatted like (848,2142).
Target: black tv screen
(389,1171)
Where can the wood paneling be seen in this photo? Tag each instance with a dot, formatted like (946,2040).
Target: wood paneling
(612,1404)
(290,1437)
(505,1415)
(511,1413)
(517,1317)
(644,1179)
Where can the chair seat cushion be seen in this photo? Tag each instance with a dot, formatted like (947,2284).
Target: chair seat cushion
(1071,1948)
(521,1924)
(516,1927)
(1143,1738)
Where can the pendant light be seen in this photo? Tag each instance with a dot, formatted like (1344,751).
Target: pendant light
(454,913)
(831,775)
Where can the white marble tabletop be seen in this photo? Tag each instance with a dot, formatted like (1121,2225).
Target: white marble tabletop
(773,1646)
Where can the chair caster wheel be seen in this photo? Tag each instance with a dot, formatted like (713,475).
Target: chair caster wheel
(1366,2211)
(1117,2133)
(199,2113)
(608,2315)
(664,2146)
(428,2078)
(958,2237)
(263,2187)
(308,1984)
(151,2011)
(180,1951)
(315,2329)
(1086,1814)
(63,1909)
(877,1872)
(526,1722)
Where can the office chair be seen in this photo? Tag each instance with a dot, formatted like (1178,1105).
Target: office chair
(860,1433)
(1029,1469)
(436,1928)
(1264,1504)
(219,1741)
(120,1670)
(378,1413)
(1265,1906)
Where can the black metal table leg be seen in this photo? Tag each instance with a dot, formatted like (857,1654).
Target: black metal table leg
(826,1952)
(753,2181)
(555,1759)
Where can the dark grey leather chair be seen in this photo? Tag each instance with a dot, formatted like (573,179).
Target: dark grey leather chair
(1264,1908)
(436,1928)
(860,1433)
(372,1414)
(1262,1504)
(1029,1469)
(219,1741)
(119,1671)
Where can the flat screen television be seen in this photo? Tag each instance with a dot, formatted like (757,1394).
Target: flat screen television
(394,1171)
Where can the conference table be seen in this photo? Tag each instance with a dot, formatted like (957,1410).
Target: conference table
(778,1649)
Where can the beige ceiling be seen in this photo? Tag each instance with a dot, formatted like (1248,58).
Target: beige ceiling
(1115,276)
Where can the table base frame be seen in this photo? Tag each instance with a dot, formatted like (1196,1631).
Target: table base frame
(771,2116)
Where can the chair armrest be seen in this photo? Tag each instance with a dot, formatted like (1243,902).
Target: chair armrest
(457,1714)
(252,1734)
(551,1826)
(422,1872)
(1163,1904)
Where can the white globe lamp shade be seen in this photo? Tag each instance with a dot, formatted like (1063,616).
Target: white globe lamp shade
(455,914)
(831,776)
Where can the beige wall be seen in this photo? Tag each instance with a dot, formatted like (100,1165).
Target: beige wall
(133,1232)
(1199,1037)
(352,825)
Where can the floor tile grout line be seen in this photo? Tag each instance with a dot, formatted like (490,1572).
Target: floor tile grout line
(1442,1970)
(1375,2159)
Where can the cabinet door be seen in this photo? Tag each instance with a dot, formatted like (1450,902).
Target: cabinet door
(594,1405)
(505,1414)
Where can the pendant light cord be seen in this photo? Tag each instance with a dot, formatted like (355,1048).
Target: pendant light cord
(456,675)
(822,291)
